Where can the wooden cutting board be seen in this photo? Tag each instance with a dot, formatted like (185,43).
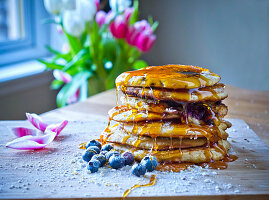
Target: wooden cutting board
(58,172)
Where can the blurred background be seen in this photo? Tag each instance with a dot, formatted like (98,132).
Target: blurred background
(230,38)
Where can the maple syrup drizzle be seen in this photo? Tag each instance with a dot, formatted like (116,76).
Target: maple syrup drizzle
(117,95)
(184,95)
(171,143)
(180,151)
(137,142)
(152,182)
(208,153)
(177,167)
(155,144)
(169,76)
(140,110)
(125,139)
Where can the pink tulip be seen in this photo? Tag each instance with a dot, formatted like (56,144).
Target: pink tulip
(118,27)
(97,4)
(128,12)
(131,35)
(62,76)
(136,30)
(143,25)
(109,16)
(100,17)
(145,41)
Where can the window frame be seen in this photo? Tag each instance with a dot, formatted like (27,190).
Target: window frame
(37,35)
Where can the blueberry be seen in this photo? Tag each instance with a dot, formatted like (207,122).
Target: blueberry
(101,158)
(138,170)
(93,165)
(94,148)
(88,154)
(104,152)
(110,153)
(107,147)
(93,143)
(150,162)
(128,157)
(116,162)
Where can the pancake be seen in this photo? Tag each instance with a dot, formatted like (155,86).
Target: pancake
(192,115)
(150,105)
(212,93)
(190,155)
(168,76)
(167,106)
(171,129)
(173,112)
(148,143)
(124,114)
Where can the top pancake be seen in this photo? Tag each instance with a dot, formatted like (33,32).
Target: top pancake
(169,76)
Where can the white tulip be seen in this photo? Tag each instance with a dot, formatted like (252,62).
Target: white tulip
(119,5)
(86,9)
(69,5)
(72,23)
(53,6)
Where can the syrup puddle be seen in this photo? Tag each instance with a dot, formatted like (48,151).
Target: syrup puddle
(152,182)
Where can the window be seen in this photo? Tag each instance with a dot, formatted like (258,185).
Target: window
(22,34)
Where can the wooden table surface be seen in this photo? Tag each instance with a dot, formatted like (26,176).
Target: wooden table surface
(249,173)
(249,105)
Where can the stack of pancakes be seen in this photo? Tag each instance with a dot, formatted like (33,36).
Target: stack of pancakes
(173,112)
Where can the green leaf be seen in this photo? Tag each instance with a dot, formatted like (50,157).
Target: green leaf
(74,42)
(79,57)
(51,65)
(84,38)
(154,26)
(150,20)
(138,64)
(110,49)
(70,88)
(134,16)
(56,84)
(65,56)
(52,50)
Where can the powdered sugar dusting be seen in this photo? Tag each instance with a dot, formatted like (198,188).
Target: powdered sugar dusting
(59,171)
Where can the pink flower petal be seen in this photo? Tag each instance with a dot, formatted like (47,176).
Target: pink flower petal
(128,12)
(100,17)
(31,142)
(74,98)
(62,76)
(150,42)
(21,131)
(59,29)
(110,15)
(118,27)
(97,4)
(29,139)
(57,128)
(36,121)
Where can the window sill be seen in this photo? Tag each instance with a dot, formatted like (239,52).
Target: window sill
(23,77)
(20,70)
